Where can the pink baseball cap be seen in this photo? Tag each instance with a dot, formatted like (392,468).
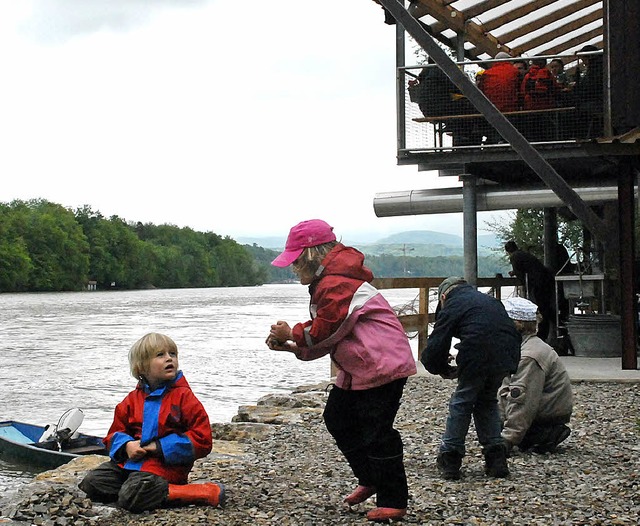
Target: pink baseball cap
(304,235)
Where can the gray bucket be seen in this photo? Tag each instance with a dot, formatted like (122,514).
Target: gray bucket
(595,335)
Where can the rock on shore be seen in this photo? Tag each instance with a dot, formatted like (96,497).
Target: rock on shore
(281,467)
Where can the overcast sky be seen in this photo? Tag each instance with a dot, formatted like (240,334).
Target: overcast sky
(240,118)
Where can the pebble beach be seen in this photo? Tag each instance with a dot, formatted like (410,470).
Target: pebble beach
(287,471)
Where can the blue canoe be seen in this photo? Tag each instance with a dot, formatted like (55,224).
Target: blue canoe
(19,444)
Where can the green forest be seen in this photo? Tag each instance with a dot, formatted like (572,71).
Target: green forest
(45,247)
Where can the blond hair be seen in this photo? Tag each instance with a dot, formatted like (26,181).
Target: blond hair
(311,258)
(145,349)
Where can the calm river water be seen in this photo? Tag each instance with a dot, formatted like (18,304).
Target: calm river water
(65,350)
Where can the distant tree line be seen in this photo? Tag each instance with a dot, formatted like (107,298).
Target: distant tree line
(46,247)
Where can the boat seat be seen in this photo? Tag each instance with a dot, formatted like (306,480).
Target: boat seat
(11,433)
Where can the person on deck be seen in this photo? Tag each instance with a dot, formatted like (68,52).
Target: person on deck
(501,85)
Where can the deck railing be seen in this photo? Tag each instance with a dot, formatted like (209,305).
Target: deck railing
(568,108)
(419,321)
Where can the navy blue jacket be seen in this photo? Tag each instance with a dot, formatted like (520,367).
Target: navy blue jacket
(488,338)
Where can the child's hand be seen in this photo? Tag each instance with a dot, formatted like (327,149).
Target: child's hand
(134,451)
(276,345)
(281,332)
(273,344)
(151,448)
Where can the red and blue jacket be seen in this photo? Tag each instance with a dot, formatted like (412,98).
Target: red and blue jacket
(171,416)
(354,324)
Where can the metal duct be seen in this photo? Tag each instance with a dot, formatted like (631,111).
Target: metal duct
(449,200)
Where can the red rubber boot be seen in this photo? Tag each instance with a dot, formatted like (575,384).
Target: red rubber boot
(385,514)
(360,494)
(209,494)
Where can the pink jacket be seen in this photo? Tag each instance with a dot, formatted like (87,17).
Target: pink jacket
(355,324)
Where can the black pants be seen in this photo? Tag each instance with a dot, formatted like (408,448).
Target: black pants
(361,422)
(135,491)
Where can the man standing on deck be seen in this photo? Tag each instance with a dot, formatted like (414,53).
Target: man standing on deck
(538,281)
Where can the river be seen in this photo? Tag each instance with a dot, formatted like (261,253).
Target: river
(65,350)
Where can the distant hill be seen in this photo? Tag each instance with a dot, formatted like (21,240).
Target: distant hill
(410,243)
(275,243)
(421,237)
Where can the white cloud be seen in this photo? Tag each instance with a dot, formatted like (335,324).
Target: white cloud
(238,117)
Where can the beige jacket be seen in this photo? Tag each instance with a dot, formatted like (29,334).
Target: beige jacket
(538,391)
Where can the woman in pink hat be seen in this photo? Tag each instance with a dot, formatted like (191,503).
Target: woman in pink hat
(353,323)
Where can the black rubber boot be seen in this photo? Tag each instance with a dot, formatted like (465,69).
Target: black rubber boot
(495,461)
(449,463)
(390,482)
(555,436)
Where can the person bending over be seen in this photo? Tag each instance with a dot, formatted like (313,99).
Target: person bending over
(488,350)
(353,323)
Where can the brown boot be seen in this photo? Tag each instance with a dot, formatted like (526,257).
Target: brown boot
(385,514)
(208,494)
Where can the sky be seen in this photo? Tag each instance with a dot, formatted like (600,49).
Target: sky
(240,118)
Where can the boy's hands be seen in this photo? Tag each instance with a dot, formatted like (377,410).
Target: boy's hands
(134,451)
(137,452)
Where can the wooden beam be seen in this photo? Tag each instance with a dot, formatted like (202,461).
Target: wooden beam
(546,20)
(574,42)
(455,20)
(472,12)
(515,14)
(558,32)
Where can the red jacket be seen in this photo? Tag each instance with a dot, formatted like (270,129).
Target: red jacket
(501,84)
(353,323)
(173,417)
(539,89)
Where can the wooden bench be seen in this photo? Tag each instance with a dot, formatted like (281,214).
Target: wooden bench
(440,121)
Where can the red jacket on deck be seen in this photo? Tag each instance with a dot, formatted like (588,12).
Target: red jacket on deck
(539,89)
(501,84)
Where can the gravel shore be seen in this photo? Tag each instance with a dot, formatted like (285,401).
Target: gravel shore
(298,477)
(294,475)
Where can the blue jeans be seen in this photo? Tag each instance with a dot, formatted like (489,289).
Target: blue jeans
(476,395)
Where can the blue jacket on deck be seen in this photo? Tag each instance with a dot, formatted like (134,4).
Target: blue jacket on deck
(488,338)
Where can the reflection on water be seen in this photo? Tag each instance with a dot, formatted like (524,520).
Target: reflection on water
(64,350)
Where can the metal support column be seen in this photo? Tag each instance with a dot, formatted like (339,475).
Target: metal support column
(470,228)
(401,131)
(550,238)
(628,313)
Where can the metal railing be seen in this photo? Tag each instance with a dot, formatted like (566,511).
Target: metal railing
(546,104)
(419,321)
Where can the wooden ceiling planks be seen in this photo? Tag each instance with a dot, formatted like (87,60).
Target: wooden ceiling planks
(531,16)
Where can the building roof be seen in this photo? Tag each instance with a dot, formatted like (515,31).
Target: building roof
(518,27)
